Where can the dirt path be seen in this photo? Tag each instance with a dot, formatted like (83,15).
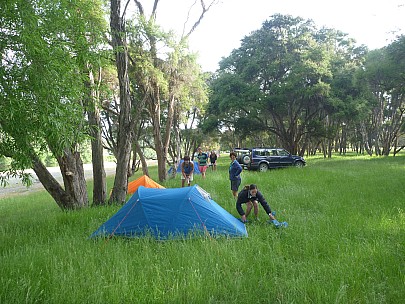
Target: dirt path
(15,187)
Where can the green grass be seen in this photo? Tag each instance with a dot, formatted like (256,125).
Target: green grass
(345,244)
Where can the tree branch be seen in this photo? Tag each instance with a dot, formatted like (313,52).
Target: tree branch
(205,9)
(125,9)
(140,7)
(153,14)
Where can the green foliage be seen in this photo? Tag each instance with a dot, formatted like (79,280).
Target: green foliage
(344,244)
(149,153)
(168,87)
(383,75)
(284,76)
(49,160)
(45,48)
(4,163)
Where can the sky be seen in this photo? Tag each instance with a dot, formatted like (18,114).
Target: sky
(370,22)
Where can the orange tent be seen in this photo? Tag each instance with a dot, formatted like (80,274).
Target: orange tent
(145,181)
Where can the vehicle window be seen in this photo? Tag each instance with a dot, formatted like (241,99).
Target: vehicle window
(283,153)
(274,152)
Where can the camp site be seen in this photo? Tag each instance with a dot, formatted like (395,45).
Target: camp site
(344,244)
(292,113)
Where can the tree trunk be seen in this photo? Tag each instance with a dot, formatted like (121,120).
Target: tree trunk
(125,127)
(164,146)
(145,169)
(160,155)
(154,110)
(71,167)
(330,146)
(178,155)
(324,148)
(99,176)
(74,196)
(51,185)
(365,139)
(134,161)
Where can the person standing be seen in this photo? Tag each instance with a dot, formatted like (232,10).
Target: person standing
(213,160)
(202,161)
(235,170)
(187,170)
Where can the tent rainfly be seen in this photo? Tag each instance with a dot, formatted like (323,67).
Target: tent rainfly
(170,214)
(145,181)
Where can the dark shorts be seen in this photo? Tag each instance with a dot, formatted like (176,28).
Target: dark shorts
(235,184)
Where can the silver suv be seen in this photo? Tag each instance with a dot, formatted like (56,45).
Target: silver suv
(263,159)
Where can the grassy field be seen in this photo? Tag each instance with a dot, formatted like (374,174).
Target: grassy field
(345,244)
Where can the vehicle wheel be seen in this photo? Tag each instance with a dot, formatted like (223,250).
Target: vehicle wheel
(246,159)
(299,164)
(263,167)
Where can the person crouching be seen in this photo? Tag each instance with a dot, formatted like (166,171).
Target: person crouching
(187,169)
(250,195)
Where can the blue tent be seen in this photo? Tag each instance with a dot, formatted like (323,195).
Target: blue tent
(171,213)
(196,170)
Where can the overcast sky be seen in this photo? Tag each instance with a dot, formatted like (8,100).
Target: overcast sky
(369,22)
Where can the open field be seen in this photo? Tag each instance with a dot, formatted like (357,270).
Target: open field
(345,244)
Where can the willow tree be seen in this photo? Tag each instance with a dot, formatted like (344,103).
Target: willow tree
(44,47)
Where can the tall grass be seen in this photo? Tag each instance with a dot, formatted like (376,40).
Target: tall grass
(344,244)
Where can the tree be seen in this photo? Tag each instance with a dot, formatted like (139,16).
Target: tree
(45,45)
(279,70)
(279,81)
(155,79)
(95,130)
(347,102)
(125,121)
(384,74)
